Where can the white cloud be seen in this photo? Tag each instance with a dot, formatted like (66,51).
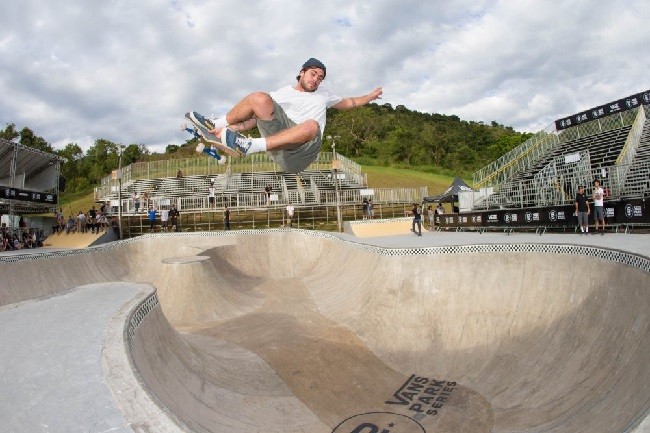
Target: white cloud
(127,71)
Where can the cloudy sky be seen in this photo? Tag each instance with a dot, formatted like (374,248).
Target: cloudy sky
(127,70)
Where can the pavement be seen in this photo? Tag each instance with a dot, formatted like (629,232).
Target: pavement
(301,331)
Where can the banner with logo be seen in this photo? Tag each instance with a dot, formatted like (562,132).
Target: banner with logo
(622,212)
(613,107)
(633,211)
(25,195)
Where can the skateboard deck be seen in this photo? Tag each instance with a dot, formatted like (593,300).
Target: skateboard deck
(207,150)
(212,139)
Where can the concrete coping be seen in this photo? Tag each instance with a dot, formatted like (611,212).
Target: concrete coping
(185,260)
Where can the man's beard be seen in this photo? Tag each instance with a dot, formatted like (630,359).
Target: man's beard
(303,84)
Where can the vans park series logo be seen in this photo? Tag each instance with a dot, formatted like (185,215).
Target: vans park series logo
(416,400)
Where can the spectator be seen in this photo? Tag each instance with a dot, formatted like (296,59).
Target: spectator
(416,211)
(226,218)
(364,208)
(582,210)
(28,240)
(179,174)
(71,225)
(164,218)
(145,200)
(152,219)
(92,220)
(103,221)
(211,194)
(6,242)
(290,210)
(599,206)
(16,242)
(81,222)
(431,217)
(59,222)
(136,202)
(174,218)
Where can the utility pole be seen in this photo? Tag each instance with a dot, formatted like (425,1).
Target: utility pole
(119,193)
(336,164)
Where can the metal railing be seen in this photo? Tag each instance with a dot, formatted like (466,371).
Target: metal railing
(558,184)
(325,198)
(305,217)
(523,156)
(204,166)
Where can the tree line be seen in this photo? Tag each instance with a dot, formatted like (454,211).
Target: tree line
(373,134)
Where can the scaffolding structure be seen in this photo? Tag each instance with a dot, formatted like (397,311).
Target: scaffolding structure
(547,169)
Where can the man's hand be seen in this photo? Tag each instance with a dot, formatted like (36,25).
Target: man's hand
(376,94)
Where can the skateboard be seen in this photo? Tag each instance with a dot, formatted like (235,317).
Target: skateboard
(202,144)
(211,139)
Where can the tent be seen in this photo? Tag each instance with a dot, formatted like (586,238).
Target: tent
(451,194)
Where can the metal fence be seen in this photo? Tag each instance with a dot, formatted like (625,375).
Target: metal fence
(525,155)
(325,199)
(206,166)
(558,184)
(272,216)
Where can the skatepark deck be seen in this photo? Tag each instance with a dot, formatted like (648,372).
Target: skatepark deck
(300,331)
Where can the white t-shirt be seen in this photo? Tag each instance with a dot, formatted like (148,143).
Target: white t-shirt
(211,191)
(598,197)
(301,106)
(164,215)
(290,210)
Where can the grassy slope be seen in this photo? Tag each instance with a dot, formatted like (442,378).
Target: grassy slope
(73,205)
(388,177)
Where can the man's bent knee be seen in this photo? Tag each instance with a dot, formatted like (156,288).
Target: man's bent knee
(261,104)
(260,98)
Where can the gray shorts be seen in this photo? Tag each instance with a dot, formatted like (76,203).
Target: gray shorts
(294,160)
(599,213)
(583,218)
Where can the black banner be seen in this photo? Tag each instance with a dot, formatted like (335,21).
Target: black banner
(25,195)
(614,107)
(635,211)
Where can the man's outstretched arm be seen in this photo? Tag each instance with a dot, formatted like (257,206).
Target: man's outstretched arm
(357,101)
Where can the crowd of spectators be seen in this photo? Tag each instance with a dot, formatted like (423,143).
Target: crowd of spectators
(93,221)
(21,238)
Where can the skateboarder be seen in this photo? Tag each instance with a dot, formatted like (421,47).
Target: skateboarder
(291,119)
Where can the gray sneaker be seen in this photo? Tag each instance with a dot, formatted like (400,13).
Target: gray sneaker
(200,119)
(236,141)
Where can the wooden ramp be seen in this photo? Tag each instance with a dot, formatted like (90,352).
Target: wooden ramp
(380,227)
(72,240)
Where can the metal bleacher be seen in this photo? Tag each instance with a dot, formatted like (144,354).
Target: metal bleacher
(615,150)
(240,183)
(638,178)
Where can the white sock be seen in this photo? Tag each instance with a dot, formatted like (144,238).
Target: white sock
(220,122)
(257,145)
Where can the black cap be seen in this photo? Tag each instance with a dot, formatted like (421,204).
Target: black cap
(314,63)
